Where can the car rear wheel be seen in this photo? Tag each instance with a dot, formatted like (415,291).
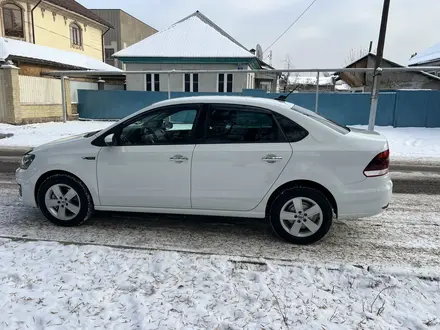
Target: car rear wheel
(301,215)
(64,200)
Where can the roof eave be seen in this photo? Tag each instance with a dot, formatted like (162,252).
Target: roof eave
(101,22)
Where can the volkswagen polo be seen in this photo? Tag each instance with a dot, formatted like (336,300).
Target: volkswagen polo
(215,156)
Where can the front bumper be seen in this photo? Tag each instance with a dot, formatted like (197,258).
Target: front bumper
(26,184)
(367,198)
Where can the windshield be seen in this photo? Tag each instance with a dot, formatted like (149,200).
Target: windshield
(329,123)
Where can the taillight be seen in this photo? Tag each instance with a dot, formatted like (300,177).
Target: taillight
(379,165)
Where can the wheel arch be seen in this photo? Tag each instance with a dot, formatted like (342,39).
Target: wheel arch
(48,174)
(302,183)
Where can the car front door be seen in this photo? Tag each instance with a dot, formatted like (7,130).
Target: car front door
(150,163)
(242,154)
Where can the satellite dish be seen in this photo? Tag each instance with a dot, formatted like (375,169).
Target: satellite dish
(259,52)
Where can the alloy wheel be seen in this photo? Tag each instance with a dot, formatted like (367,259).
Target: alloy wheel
(301,217)
(62,201)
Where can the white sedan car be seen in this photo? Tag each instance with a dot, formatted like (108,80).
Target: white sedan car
(215,156)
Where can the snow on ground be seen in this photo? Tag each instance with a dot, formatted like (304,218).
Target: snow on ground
(405,143)
(45,285)
(412,143)
(36,134)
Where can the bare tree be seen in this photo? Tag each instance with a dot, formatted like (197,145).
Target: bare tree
(288,78)
(355,54)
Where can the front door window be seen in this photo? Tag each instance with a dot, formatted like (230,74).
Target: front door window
(173,125)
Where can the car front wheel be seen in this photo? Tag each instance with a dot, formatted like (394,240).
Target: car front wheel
(301,215)
(64,200)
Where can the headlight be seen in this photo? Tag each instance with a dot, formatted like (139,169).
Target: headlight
(26,161)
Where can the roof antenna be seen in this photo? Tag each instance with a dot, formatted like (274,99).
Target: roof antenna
(284,97)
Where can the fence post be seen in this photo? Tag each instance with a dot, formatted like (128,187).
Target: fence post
(169,88)
(317,93)
(63,97)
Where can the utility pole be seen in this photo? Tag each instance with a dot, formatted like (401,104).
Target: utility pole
(377,71)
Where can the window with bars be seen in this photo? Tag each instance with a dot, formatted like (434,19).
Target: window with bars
(75,35)
(13,21)
(153,82)
(225,82)
(191,82)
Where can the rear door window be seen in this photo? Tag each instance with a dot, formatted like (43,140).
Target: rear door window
(241,124)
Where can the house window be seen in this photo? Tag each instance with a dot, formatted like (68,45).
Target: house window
(13,20)
(75,35)
(108,56)
(153,82)
(191,82)
(225,85)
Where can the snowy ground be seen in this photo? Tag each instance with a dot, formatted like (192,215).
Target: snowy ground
(45,285)
(405,143)
(406,236)
(412,143)
(36,134)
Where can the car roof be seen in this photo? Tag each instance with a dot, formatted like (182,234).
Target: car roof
(247,100)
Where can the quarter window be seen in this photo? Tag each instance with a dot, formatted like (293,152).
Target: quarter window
(291,130)
(13,20)
(172,125)
(153,82)
(240,124)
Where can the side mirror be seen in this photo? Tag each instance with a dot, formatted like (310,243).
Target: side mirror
(110,140)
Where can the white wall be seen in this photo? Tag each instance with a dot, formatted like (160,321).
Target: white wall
(207,81)
(37,90)
(75,85)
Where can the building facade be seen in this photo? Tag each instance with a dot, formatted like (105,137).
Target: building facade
(127,31)
(193,43)
(388,80)
(61,24)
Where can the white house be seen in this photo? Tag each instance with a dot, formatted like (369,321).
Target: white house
(194,43)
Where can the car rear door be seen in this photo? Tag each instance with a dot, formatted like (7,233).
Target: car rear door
(242,154)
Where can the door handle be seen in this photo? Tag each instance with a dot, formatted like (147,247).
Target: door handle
(178,158)
(272,158)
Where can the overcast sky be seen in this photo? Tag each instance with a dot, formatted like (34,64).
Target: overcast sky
(322,38)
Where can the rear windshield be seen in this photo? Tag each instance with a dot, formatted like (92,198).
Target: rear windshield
(327,122)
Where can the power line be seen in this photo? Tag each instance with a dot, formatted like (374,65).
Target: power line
(61,35)
(294,22)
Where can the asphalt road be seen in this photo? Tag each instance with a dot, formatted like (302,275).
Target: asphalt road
(407,234)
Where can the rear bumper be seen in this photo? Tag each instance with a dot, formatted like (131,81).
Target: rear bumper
(367,198)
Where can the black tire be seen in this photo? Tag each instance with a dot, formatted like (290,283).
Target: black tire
(310,193)
(86,207)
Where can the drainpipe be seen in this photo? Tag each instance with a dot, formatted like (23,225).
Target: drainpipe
(32,15)
(102,41)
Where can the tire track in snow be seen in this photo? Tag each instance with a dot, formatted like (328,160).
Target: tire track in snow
(407,234)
